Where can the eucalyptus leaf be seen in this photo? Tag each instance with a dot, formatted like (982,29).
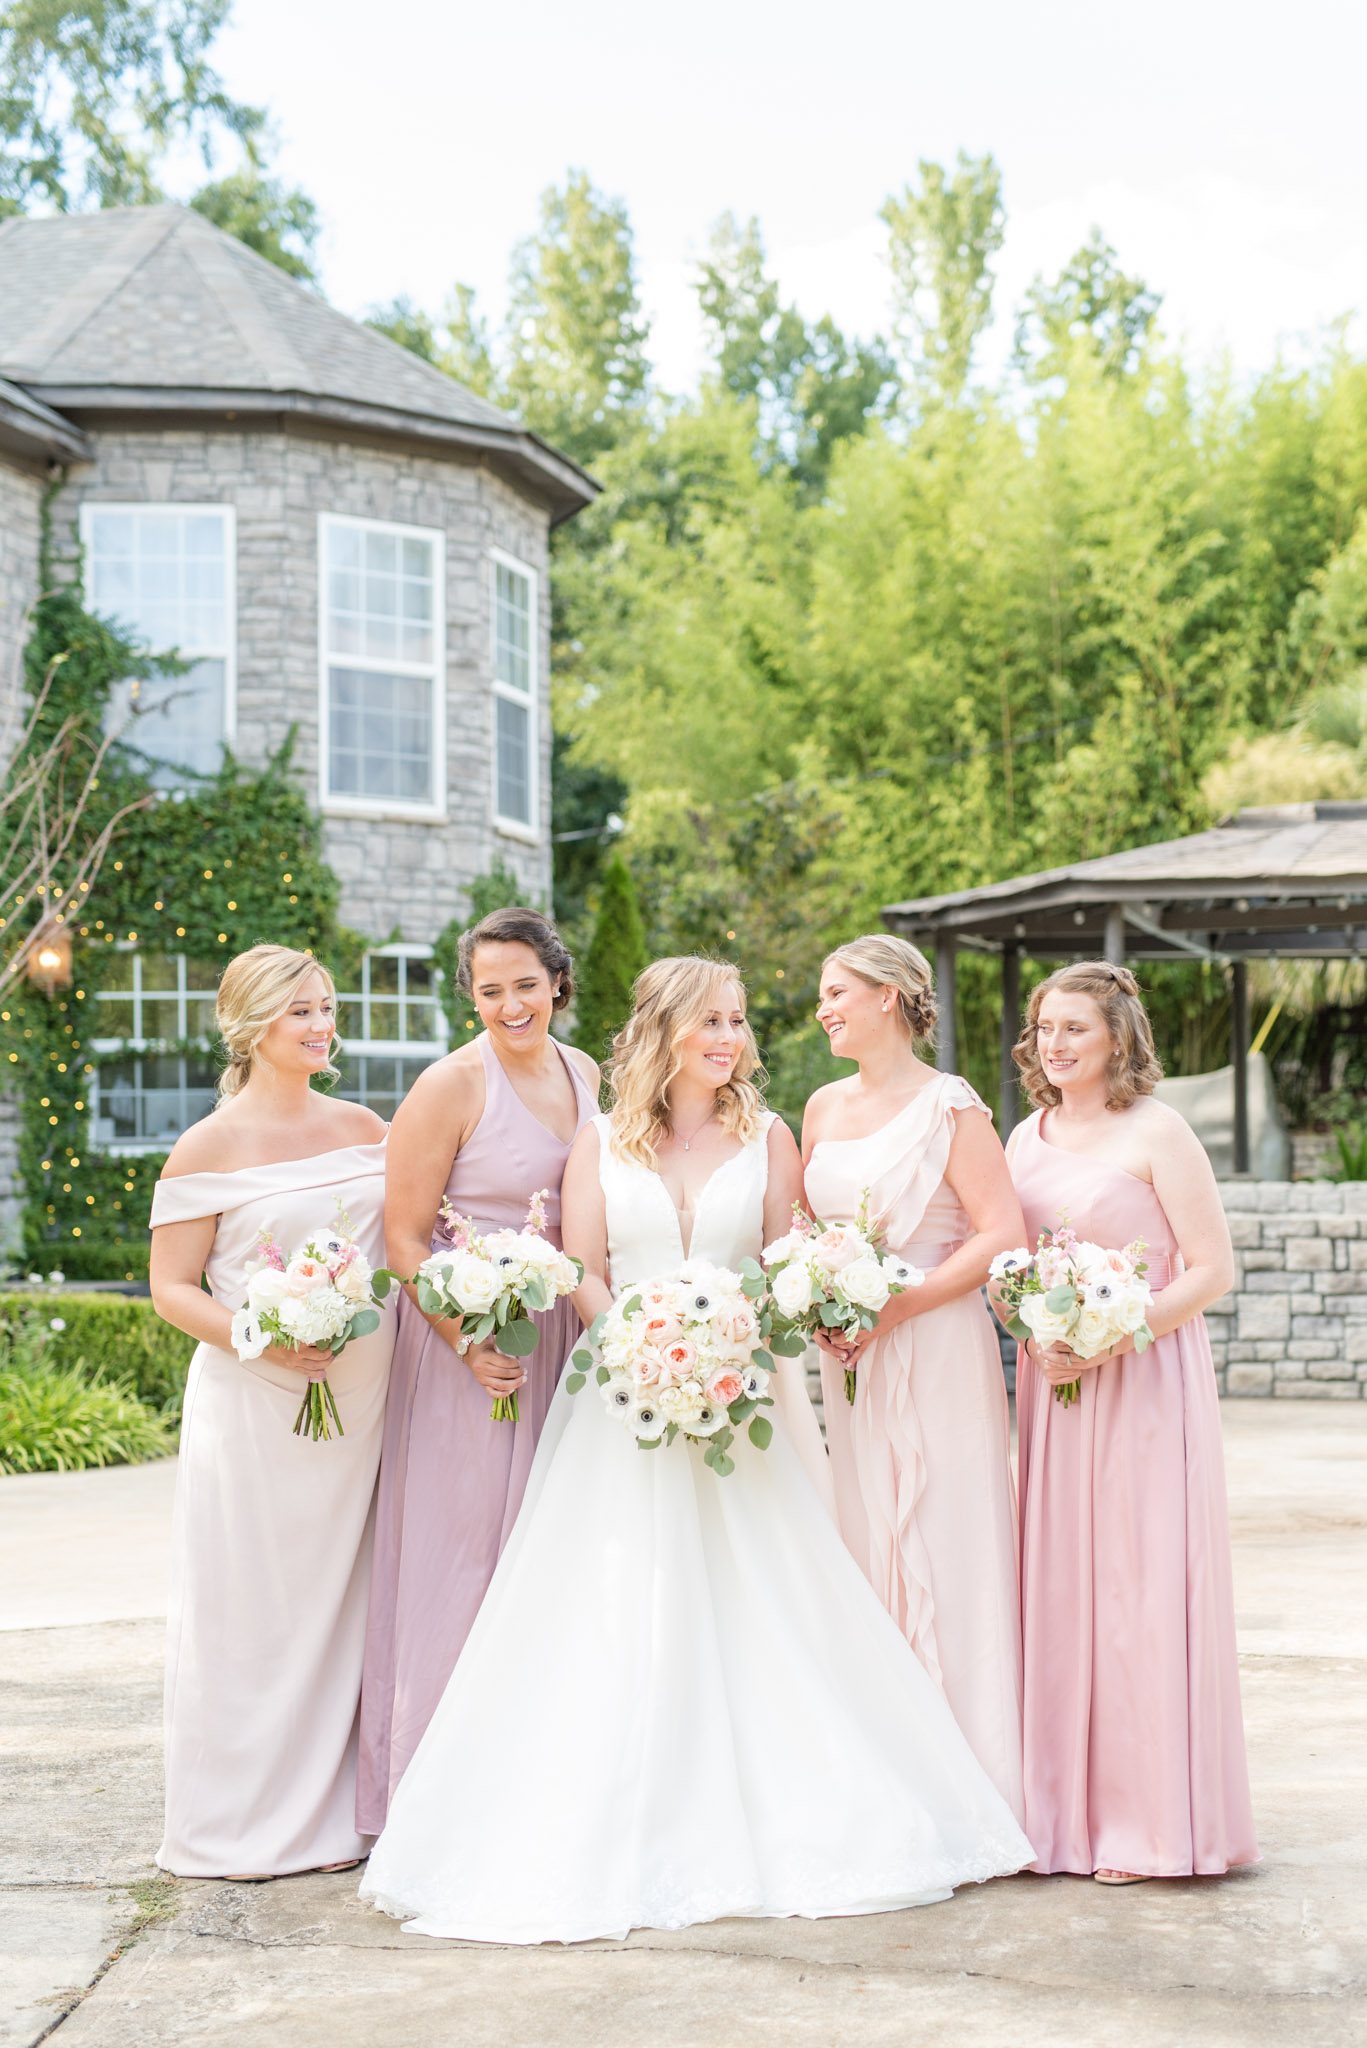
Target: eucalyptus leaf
(761,1432)
(1059,1300)
(603,1375)
(364,1323)
(573,1382)
(518,1339)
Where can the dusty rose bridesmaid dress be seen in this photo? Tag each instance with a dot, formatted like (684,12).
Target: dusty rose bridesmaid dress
(270,1552)
(922,1460)
(451,1481)
(1134,1734)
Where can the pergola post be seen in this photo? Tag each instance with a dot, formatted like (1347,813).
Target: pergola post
(1011,1006)
(1114,945)
(946,1049)
(1238,1032)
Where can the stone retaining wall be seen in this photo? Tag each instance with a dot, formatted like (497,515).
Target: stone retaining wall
(1295,1323)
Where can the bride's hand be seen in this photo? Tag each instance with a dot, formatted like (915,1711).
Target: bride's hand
(498,1374)
(311,1359)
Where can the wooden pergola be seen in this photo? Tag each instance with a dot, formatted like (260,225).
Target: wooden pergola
(1285,882)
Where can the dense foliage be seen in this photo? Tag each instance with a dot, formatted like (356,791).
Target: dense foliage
(60,1417)
(615,955)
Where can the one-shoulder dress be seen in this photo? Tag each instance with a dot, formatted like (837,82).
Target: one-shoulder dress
(922,1461)
(451,1480)
(1134,1733)
(270,1550)
(681,1698)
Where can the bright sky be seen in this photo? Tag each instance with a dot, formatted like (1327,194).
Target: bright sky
(1219,146)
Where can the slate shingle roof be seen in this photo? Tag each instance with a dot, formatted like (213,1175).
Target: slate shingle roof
(157,305)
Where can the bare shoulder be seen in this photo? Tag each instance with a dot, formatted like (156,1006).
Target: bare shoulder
(1165,1133)
(353,1123)
(586,1068)
(781,1143)
(447,1089)
(825,1104)
(583,1153)
(214,1145)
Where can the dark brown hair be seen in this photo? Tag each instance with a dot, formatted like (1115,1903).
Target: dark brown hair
(519,926)
(1114,990)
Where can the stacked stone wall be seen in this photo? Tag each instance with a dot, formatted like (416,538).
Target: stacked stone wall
(1295,1322)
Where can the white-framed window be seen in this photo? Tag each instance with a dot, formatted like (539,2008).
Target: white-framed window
(391,1027)
(167,574)
(142,1100)
(382,670)
(147,1089)
(516,733)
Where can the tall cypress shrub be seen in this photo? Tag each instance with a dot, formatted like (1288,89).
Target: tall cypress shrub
(616,955)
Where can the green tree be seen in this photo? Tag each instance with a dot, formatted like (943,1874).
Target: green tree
(1092,300)
(279,224)
(616,955)
(942,236)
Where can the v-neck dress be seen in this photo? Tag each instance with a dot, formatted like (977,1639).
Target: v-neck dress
(451,1481)
(270,1552)
(922,1460)
(1134,1735)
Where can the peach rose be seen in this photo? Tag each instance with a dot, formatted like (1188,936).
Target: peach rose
(303,1275)
(680,1357)
(724,1387)
(836,1247)
(662,1327)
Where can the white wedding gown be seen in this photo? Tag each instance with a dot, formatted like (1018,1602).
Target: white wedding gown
(681,1699)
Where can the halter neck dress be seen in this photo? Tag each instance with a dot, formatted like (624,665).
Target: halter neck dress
(680,1699)
(451,1481)
(1134,1734)
(922,1460)
(271,1549)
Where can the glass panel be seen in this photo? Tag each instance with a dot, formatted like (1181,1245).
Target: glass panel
(175,722)
(381,594)
(348,1018)
(114,1018)
(118,1112)
(384,974)
(380,1083)
(380,735)
(202,973)
(160,975)
(115,970)
(512,737)
(384,1019)
(160,1017)
(163,576)
(512,628)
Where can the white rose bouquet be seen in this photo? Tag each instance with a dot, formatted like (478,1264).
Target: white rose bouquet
(685,1356)
(1070,1291)
(496,1283)
(322,1293)
(828,1277)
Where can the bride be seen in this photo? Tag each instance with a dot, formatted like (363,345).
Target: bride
(681,1700)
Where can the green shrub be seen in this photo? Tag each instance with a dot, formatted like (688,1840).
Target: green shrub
(617,953)
(56,1418)
(1351,1141)
(118,1338)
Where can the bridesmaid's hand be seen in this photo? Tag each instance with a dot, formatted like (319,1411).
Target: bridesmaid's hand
(312,1359)
(498,1374)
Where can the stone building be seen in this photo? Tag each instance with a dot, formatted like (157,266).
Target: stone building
(341,539)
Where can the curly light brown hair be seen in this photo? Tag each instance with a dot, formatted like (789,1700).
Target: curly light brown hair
(671,999)
(1114,990)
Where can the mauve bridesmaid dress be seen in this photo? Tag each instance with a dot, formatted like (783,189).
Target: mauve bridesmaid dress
(451,1481)
(1134,1734)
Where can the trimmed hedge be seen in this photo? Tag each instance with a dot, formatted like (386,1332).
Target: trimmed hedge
(112,1337)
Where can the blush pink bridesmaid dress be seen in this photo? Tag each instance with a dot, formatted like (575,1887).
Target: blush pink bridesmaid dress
(922,1460)
(1134,1734)
(451,1481)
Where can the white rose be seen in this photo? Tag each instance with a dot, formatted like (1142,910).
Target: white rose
(864,1283)
(1041,1323)
(474,1284)
(266,1287)
(679,1404)
(792,1290)
(1094,1331)
(784,1248)
(249,1339)
(538,1252)
(353,1283)
(1132,1309)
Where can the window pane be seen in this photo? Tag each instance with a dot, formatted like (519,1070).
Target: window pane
(512,628)
(160,1017)
(384,974)
(380,735)
(203,973)
(176,722)
(384,1019)
(115,970)
(159,974)
(381,594)
(513,737)
(163,576)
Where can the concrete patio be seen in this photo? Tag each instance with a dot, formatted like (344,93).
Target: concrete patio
(1276,1954)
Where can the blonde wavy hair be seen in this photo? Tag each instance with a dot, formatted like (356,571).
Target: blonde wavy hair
(886,961)
(670,1000)
(1134,1071)
(257,987)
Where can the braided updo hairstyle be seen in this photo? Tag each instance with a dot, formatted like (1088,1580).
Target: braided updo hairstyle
(885,961)
(257,987)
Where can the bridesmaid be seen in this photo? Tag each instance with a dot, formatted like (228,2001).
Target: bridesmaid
(487,1127)
(922,1460)
(272,1532)
(1134,1736)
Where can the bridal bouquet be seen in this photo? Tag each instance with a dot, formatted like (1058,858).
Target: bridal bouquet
(497,1282)
(685,1356)
(325,1293)
(831,1276)
(1070,1291)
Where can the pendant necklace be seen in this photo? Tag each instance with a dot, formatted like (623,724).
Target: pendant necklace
(701,1127)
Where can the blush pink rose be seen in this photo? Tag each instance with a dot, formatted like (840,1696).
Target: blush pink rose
(724,1387)
(835,1248)
(663,1327)
(680,1357)
(737,1327)
(303,1275)
(647,1367)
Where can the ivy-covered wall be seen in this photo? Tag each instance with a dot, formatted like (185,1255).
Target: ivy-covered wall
(206,871)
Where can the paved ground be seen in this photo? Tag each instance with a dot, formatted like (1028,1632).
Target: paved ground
(1275,1955)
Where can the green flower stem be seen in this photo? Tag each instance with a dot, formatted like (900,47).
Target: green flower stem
(505,1409)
